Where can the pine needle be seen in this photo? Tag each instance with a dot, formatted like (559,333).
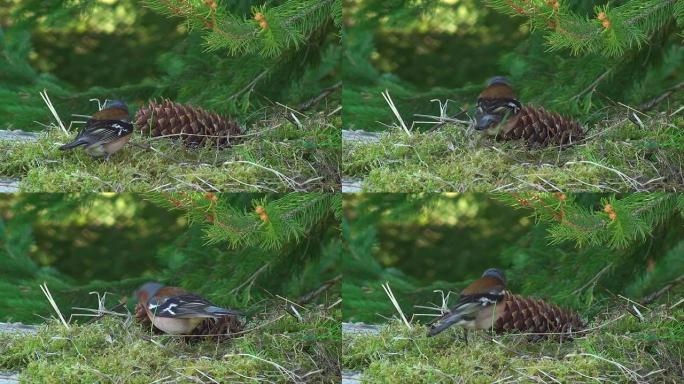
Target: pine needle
(47,294)
(388,99)
(52,109)
(394,301)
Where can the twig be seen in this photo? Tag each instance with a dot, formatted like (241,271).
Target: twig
(47,294)
(324,93)
(52,109)
(654,296)
(394,301)
(655,101)
(388,99)
(304,299)
(593,85)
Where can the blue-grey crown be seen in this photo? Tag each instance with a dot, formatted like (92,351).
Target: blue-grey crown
(115,104)
(495,272)
(499,80)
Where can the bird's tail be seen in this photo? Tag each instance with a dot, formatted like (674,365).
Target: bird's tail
(445,322)
(218,311)
(73,144)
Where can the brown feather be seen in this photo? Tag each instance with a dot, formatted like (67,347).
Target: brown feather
(483,285)
(498,91)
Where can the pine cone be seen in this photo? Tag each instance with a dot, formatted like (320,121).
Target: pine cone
(194,125)
(225,326)
(141,314)
(540,127)
(528,315)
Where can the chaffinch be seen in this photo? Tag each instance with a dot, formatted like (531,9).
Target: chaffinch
(176,311)
(476,307)
(500,114)
(486,304)
(106,132)
(495,104)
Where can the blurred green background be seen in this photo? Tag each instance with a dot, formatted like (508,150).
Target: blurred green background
(82,243)
(447,49)
(422,242)
(122,49)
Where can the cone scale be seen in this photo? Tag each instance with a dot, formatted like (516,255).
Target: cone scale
(193,125)
(542,128)
(527,315)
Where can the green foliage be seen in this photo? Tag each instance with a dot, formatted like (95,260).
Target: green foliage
(279,157)
(620,157)
(424,243)
(281,349)
(216,55)
(421,51)
(195,253)
(613,31)
(622,349)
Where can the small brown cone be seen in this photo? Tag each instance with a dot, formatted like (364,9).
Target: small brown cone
(193,124)
(540,127)
(528,315)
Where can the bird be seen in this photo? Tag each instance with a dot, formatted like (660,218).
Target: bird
(486,304)
(499,113)
(106,132)
(176,311)
(476,307)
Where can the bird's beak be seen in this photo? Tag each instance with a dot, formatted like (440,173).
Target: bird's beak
(485,121)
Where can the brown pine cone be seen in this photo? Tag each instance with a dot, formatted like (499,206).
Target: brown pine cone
(527,315)
(193,125)
(542,128)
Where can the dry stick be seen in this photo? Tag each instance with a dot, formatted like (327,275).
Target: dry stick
(47,294)
(653,102)
(654,296)
(593,85)
(52,109)
(317,292)
(388,100)
(324,93)
(394,301)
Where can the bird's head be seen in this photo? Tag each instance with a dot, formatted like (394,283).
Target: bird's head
(147,291)
(496,103)
(112,110)
(495,273)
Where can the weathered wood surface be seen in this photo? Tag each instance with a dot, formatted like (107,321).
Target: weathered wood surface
(8,377)
(17,328)
(354,377)
(12,185)
(360,328)
(348,377)
(351,185)
(360,136)
(18,135)
(9,185)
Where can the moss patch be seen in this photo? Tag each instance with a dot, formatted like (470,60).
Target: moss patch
(276,157)
(280,349)
(618,156)
(622,349)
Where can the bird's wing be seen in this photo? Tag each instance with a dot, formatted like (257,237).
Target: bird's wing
(104,131)
(189,306)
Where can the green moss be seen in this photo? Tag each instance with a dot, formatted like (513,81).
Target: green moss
(621,349)
(280,349)
(619,156)
(279,157)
